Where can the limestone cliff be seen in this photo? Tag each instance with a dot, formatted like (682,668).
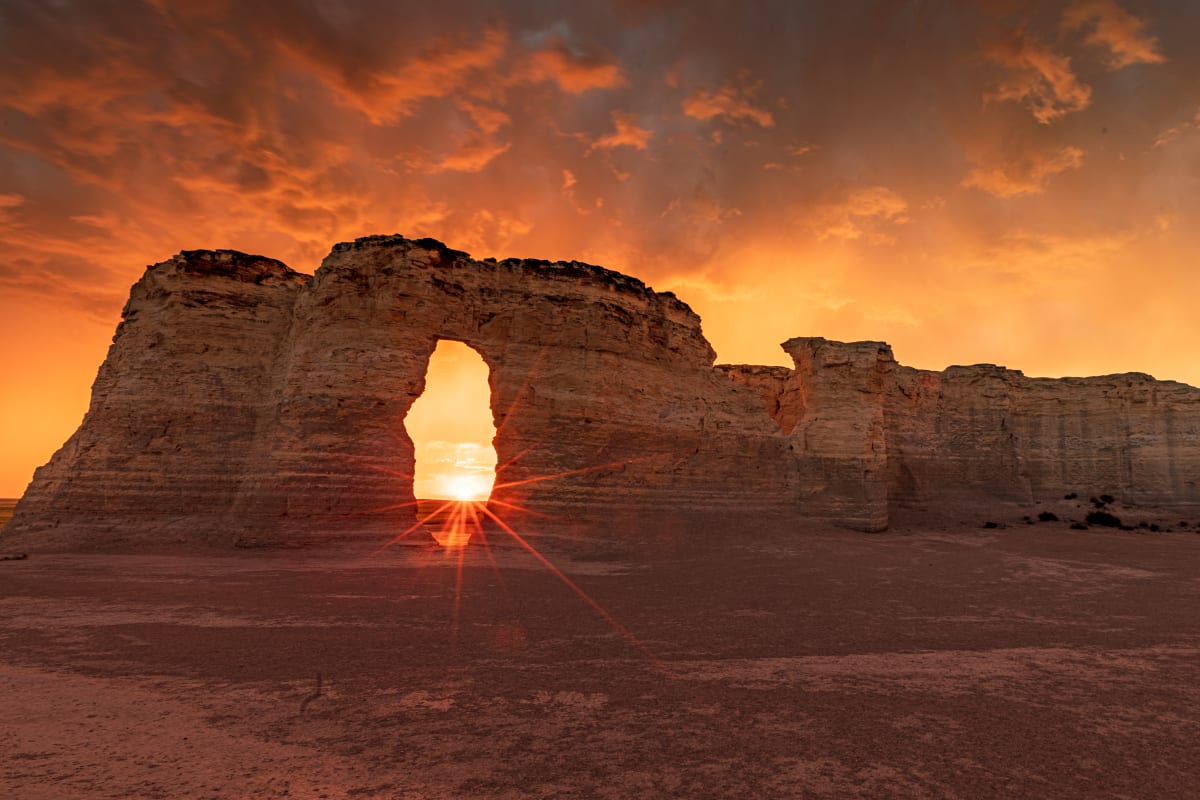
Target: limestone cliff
(243,402)
(875,436)
(602,390)
(986,431)
(270,411)
(184,391)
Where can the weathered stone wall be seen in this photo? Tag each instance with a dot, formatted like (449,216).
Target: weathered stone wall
(986,431)
(603,392)
(874,436)
(183,393)
(243,402)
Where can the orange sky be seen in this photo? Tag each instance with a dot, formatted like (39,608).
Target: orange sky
(452,428)
(1005,181)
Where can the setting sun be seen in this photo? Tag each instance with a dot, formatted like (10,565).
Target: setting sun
(464,487)
(451,427)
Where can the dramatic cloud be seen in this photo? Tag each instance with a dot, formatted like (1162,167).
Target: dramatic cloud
(627,134)
(1038,77)
(862,215)
(729,103)
(574,71)
(438,69)
(789,168)
(475,154)
(1108,25)
(1029,176)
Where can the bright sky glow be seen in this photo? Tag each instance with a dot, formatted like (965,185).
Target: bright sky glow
(1003,181)
(451,427)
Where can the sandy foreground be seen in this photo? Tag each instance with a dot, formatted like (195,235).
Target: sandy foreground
(1026,662)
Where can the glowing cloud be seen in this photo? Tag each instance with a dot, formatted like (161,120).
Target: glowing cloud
(475,153)
(1039,78)
(859,215)
(628,134)
(385,92)
(573,69)
(1114,28)
(1175,131)
(729,103)
(1029,176)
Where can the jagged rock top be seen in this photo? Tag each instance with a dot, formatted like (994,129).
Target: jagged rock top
(757,369)
(444,256)
(821,341)
(1004,373)
(261,270)
(232,264)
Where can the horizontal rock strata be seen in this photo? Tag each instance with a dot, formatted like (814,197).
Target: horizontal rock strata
(875,435)
(244,402)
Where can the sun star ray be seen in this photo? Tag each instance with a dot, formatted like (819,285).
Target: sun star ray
(487,548)
(570,584)
(411,529)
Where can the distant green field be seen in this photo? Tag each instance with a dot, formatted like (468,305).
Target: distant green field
(6,509)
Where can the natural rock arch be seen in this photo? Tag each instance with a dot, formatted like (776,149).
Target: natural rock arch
(241,400)
(594,377)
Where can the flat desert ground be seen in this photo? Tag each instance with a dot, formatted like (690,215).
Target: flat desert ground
(1029,661)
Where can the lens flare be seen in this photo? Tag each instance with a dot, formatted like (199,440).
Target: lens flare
(454,529)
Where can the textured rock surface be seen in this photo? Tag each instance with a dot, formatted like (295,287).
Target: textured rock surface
(282,404)
(244,402)
(986,431)
(841,434)
(875,436)
(185,391)
(595,379)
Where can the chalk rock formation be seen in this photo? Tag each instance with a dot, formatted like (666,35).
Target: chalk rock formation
(883,436)
(270,410)
(243,402)
(176,407)
(987,431)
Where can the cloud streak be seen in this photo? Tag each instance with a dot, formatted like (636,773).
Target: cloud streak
(628,133)
(730,103)
(865,213)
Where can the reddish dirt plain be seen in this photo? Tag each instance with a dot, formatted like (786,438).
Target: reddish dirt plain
(1031,661)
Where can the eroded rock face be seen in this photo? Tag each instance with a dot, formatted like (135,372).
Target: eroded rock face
(272,413)
(883,436)
(243,402)
(601,389)
(986,431)
(184,393)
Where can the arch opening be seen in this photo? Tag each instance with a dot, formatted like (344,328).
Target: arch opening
(452,431)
